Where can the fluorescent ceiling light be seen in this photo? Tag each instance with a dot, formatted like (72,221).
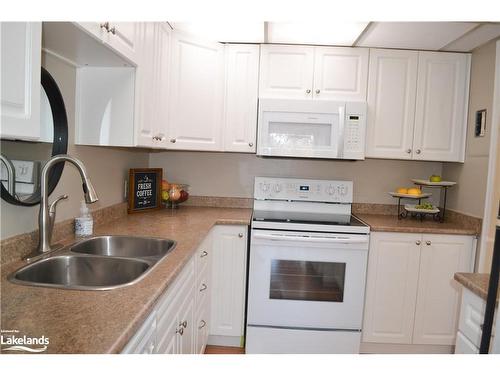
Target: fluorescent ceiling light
(243,32)
(331,33)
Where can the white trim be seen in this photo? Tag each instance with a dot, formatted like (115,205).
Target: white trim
(59,57)
(378,348)
(488,218)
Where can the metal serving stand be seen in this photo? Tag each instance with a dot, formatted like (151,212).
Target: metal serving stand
(442,185)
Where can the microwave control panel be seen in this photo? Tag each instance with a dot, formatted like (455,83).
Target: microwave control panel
(354,131)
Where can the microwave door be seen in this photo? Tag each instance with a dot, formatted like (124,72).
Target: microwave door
(297,134)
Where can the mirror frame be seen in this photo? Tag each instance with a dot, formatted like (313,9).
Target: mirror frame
(59,144)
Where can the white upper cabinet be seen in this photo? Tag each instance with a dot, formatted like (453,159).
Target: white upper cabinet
(308,72)
(441,109)
(20,80)
(240,102)
(392,88)
(438,298)
(286,71)
(152,75)
(340,73)
(196,94)
(124,38)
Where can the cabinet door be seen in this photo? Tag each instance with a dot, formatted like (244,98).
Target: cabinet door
(186,319)
(391,287)
(438,299)
(196,95)
(228,280)
(340,73)
(240,102)
(20,80)
(286,71)
(144,123)
(124,38)
(441,109)
(392,88)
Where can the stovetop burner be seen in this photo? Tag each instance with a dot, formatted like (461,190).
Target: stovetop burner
(306,218)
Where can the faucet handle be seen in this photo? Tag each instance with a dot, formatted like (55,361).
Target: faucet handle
(52,206)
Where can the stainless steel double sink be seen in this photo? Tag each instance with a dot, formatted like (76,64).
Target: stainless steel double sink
(97,263)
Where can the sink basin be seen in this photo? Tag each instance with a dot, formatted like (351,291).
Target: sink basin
(81,272)
(125,246)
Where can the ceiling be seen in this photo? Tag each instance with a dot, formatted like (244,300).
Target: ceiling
(434,36)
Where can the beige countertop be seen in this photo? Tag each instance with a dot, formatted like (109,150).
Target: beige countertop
(477,283)
(390,223)
(104,321)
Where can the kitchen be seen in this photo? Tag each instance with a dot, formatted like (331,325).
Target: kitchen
(266,161)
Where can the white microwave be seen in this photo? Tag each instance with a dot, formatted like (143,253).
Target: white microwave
(311,129)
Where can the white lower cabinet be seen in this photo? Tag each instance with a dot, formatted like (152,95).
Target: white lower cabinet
(181,321)
(229,283)
(411,296)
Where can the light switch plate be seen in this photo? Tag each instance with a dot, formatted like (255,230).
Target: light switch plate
(480,125)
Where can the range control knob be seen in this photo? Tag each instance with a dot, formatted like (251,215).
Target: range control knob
(330,190)
(342,190)
(264,187)
(277,188)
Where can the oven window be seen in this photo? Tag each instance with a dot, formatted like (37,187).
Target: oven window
(307,281)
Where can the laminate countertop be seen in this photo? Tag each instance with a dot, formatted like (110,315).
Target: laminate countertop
(390,223)
(78,321)
(477,283)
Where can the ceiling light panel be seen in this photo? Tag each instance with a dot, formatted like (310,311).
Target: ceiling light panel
(414,35)
(331,33)
(242,32)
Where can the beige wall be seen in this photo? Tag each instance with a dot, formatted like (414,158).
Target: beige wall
(469,195)
(107,167)
(225,174)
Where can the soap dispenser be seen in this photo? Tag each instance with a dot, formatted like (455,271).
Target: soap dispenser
(84,224)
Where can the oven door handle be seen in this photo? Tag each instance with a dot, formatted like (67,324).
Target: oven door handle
(278,237)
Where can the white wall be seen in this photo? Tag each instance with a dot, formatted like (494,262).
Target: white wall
(469,195)
(231,175)
(108,167)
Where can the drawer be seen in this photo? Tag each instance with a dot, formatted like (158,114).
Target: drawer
(472,316)
(203,255)
(202,291)
(464,346)
(202,320)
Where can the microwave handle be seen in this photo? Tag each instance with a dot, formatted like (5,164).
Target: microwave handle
(310,239)
(340,150)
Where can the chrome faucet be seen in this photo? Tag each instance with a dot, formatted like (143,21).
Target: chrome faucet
(47,213)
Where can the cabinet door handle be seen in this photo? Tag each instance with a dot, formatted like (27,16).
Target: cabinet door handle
(203,254)
(203,287)
(408,151)
(418,242)
(428,243)
(240,235)
(308,91)
(418,151)
(202,324)
(183,324)
(105,26)
(318,91)
(112,30)
(250,144)
(173,140)
(180,331)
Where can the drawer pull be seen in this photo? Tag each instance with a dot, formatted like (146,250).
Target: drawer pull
(202,324)
(240,235)
(203,287)
(203,254)
(180,331)
(183,324)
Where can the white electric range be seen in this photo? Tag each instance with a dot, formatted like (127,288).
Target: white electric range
(308,258)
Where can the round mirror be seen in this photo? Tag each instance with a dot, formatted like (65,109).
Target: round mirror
(22,162)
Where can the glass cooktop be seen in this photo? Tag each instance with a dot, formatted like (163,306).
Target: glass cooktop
(306,218)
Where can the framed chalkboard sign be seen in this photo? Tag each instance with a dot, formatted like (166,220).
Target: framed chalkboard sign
(144,189)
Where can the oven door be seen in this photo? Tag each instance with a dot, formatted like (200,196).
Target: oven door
(301,130)
(307,280)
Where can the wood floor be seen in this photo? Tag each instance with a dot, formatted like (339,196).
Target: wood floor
(212,349)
